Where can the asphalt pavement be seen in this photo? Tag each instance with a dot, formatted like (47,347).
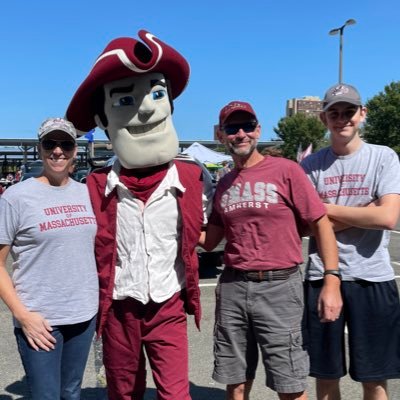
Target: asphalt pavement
(12,379)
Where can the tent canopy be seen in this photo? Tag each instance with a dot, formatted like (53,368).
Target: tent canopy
(205,155)
(210,165)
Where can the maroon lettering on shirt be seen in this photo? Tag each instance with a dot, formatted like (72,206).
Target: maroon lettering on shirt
(71,217)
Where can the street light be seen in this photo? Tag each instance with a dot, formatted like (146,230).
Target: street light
(340,31)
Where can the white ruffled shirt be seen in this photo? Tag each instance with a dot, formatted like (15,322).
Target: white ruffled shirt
(149,265)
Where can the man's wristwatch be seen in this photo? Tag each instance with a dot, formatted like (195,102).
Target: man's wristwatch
(335,272)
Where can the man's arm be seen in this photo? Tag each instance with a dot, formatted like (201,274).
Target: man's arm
(338,226)
(330,300)
(384,215)
(210,238)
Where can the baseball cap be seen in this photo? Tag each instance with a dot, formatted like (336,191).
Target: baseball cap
(232,107)
(341,93)
(56,124)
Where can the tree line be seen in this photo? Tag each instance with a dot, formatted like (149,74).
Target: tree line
(382,125)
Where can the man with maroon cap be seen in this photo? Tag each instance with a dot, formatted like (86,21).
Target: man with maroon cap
(259,207)
(150,210)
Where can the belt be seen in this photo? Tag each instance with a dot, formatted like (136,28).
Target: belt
(268,275)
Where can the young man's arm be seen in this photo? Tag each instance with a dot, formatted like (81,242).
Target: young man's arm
(384,215)
(330,300)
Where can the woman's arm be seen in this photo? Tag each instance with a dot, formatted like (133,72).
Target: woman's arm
(35,327)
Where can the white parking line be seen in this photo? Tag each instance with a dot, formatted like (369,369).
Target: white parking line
(207,284)
(398,232)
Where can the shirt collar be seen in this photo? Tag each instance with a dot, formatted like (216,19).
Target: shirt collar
(170,180)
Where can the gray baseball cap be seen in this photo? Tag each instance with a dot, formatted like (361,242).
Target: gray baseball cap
(56,124)
(341,93)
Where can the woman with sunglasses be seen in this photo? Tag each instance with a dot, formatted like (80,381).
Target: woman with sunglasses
(48,227)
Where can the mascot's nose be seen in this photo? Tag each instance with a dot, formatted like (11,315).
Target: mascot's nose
(147,107)
(144,115)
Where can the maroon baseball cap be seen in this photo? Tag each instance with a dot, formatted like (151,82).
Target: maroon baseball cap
(122,58)
(235,106)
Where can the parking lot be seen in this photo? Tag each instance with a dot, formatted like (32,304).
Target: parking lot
(12,383)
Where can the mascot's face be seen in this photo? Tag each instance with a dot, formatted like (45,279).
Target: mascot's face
(139,121)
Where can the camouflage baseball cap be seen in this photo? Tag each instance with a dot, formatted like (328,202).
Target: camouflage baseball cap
(56,124)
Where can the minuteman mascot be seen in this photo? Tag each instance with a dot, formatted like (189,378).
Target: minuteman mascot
(150,210)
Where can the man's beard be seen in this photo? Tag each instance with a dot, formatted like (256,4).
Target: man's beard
(241,152)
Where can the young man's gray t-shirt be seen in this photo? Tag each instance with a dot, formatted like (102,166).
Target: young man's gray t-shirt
(355,180)
(51,232)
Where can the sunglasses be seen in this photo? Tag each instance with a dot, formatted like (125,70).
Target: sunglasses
(65,145)
(247,127)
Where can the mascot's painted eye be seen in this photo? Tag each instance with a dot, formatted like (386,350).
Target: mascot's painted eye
(159,94)
(124,101)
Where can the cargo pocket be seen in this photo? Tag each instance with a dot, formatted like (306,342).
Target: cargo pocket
(299,359)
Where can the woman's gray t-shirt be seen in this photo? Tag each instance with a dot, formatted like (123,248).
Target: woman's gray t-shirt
(51,231)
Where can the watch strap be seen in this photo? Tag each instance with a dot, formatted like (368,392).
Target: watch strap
(335,272)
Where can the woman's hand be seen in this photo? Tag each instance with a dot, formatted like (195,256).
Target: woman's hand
(37,331)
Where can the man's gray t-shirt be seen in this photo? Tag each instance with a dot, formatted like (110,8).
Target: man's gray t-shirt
(51,231)
(355,180)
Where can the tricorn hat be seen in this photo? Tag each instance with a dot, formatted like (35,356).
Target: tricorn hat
(122,58)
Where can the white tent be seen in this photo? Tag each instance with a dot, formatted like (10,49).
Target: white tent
(206,155)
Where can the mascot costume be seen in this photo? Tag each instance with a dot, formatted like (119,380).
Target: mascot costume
(150,209)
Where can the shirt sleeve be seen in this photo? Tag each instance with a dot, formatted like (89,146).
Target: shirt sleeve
(8,222)
(207,199)
(389,174)
(306,199)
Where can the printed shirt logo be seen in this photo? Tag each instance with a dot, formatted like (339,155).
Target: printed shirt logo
(249,195)
(334,187)
(66,216)
(340,90)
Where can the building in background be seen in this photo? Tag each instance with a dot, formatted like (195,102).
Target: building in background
(309,105)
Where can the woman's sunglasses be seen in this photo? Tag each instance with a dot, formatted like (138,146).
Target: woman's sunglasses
(49,144)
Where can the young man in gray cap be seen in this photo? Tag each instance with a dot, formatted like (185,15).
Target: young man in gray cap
(258,207)
(360,185)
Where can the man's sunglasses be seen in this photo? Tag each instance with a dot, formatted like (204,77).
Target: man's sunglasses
(66,145)
(247,127)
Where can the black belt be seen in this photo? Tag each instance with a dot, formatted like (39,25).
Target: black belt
(269,275)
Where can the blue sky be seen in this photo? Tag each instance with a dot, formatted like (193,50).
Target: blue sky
(262,51)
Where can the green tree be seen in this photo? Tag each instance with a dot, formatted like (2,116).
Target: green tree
(300,129)
(383,118)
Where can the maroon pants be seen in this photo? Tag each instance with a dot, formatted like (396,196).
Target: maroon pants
(158,328)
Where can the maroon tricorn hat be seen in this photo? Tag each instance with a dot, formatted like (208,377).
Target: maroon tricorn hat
(122,58)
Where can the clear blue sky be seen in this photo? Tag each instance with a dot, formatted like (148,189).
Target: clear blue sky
(262,51)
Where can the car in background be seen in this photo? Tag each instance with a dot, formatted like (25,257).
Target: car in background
(80,174)
(96,163)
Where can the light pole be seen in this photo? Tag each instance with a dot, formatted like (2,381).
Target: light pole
(340,31)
